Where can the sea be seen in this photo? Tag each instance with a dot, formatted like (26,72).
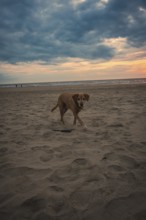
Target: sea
(87,82)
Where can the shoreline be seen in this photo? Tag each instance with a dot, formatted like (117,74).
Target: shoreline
(68,87)
(79,83)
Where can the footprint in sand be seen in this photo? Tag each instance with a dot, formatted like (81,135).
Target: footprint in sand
(64,174)
(116,168)
(141,215)
(5,197)
(137,146)
(46,157)
(143,143)
(56,188)
(78,169)
(94,184)
(3,150)
(44,148)
(81,199)
(34,204)
(126,207)
(84,195)
(43,216)
(128,162)
(81,163)
(23,185)
(52,204)
(116,125)
(123,161)
(128,178)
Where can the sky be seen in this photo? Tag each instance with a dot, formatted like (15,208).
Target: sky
(71,40)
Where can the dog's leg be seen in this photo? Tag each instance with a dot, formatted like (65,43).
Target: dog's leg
(75,119)
(63,109)
(80,121)
(62,114)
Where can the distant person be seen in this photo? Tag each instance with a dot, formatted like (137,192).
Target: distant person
(16,85)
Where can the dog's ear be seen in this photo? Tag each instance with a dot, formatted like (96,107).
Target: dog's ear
(75,96)
(86,97)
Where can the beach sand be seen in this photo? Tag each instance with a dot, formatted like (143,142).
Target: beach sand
(93,174)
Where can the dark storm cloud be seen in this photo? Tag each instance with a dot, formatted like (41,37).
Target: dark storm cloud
(48,29)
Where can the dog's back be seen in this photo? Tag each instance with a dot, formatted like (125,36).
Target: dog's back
(64,98)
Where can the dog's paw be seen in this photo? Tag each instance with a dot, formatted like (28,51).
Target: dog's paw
(85,128)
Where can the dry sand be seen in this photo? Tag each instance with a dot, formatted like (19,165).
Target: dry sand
(97,174)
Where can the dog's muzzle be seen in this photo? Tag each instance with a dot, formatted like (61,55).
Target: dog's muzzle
(81,105)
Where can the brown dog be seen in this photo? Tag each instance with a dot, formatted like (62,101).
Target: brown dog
(74,102)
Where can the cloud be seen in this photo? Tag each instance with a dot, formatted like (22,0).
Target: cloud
(48,30)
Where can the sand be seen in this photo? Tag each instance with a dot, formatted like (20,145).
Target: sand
(93,174)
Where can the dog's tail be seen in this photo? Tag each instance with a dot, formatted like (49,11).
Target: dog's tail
(54,108)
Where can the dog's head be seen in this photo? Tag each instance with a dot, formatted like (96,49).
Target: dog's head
(80,99)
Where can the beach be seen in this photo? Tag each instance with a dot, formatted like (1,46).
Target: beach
(50,171)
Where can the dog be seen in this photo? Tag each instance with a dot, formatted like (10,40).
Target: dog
(74,102)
